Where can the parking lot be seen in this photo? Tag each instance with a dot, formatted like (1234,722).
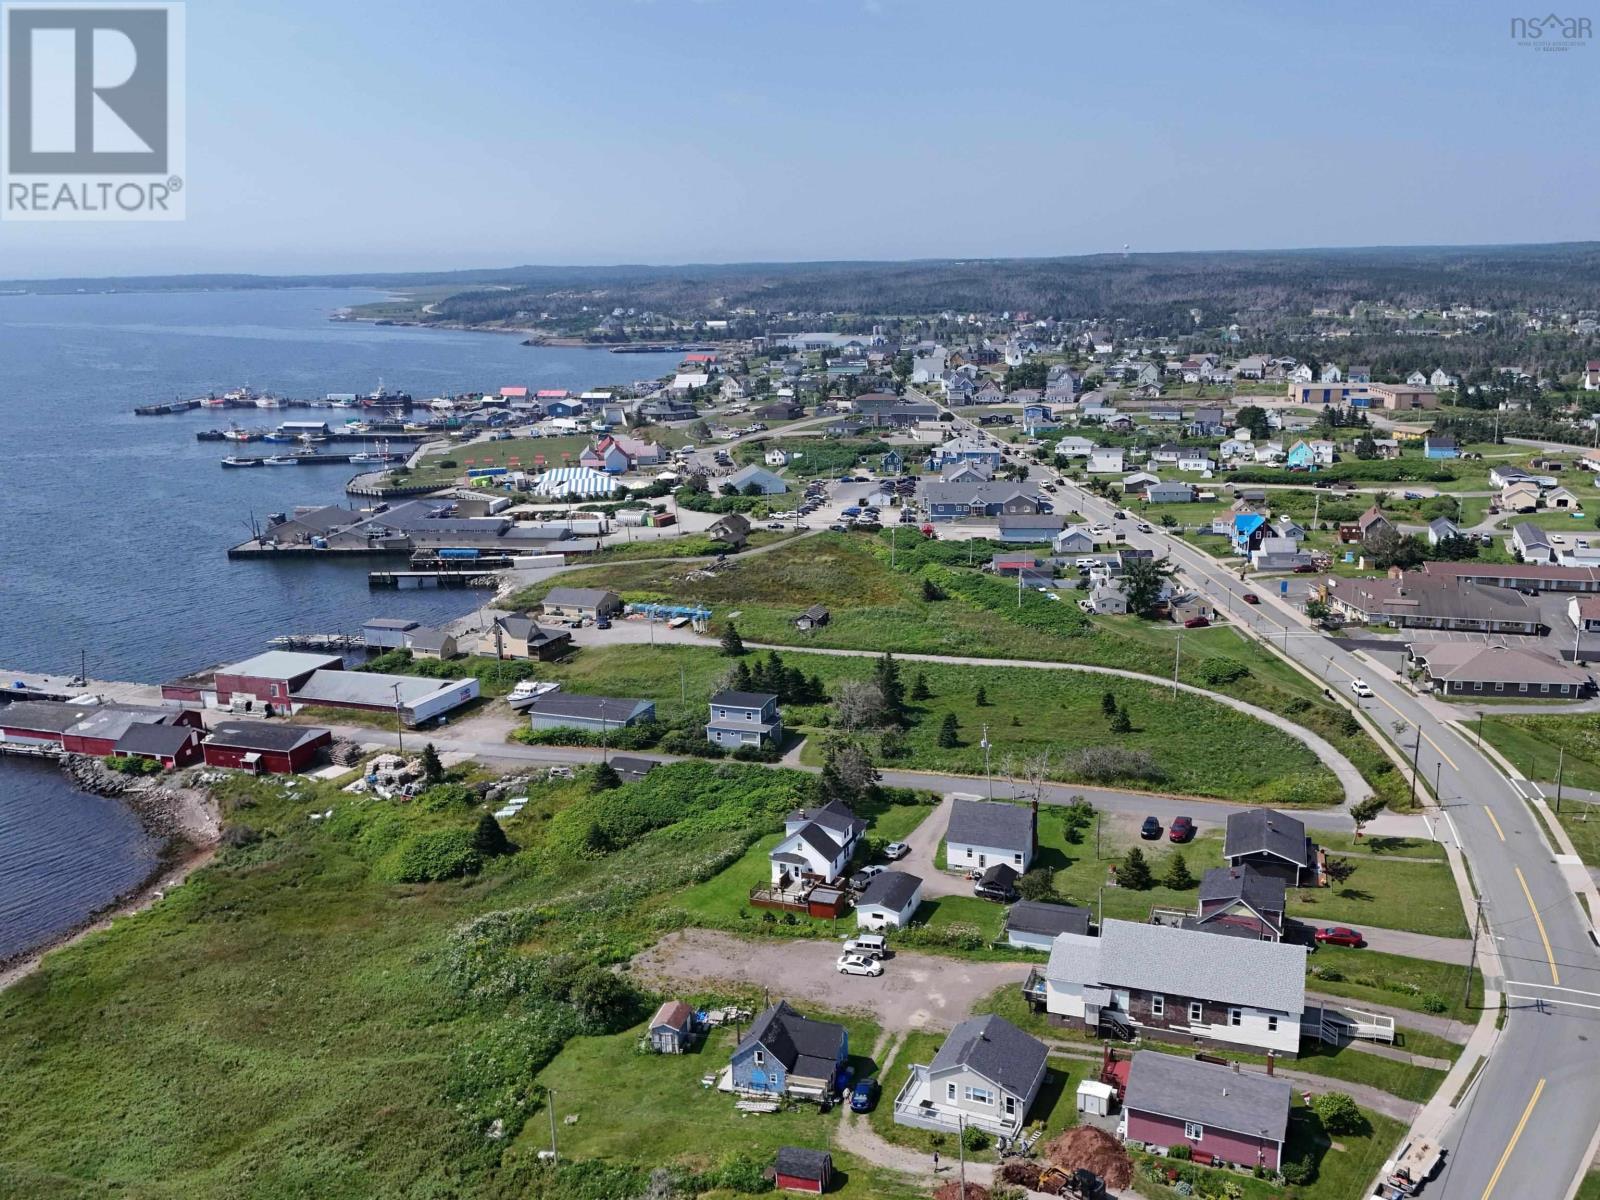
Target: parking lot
(915,991)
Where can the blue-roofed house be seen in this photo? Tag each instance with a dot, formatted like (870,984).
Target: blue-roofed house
(1248,530)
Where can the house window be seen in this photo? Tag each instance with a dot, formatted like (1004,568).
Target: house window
(1499,687)
(979,1095)
(1158,1006)
(1272,1024)
(1017,858)
(1194,1010)
(1235,1016)
(1195,1133)
(950,1092)
(759,1058)
(1522,687)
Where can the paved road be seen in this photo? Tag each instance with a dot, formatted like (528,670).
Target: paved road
(1529,1125)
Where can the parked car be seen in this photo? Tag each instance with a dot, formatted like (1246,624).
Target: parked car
(867,945)
(1339,935)
(559,773)
(1144,527)
(1304,569)
(602,623)
(1181,830)
(866,875)
(1150,830)
(864,1096)
(855,964)
(1119,516)
(1196,623)
(839,527)
(777,525)
(1251,598)
(896,850)
(1102,528)
(1361,688)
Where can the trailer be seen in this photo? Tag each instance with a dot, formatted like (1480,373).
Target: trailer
(1405,1173)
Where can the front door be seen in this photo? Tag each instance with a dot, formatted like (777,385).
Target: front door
(983,860)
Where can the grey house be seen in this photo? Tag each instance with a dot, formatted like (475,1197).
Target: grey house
(983,833)
(1272,843)
(1034,924)
(589,603)
(987,1074)
(573,710)
(744,719)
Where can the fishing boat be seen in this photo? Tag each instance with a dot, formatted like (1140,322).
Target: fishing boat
(279,436)
(268,402)
(528,691)
(309,439)
(283,460)
(234,434)
(213,402)
(235,461)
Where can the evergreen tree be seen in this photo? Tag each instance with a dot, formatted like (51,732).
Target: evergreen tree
(432,768)
(982,698)
(605,778)
(732,643)
(886,674)
(931,590)
(919,688)
(948,732)
(743,680)
(1177,877)
(488,839)
(1108,704)
(816,693)
(1121,722)
(1135,872)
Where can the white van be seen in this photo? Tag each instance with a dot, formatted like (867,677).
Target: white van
(869,945)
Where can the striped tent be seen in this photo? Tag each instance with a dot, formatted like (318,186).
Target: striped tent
(581,481)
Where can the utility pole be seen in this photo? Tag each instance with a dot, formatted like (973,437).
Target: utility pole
(1480,731)
(987,775)
(1437,799)
(1472,958)
(550,1099)
(1561,760)
(399,731)
(961,1149)
(1177,656)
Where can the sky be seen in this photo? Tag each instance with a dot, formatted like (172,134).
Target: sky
(330,135)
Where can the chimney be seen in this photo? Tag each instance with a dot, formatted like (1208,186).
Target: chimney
(1271,1059)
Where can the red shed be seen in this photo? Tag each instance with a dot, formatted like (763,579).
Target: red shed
(266,747)
(271,678)
(801,1170)
(172,746)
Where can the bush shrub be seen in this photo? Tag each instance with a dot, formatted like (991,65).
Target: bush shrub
(430,856)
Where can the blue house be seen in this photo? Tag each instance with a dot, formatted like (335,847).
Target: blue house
(1302,457)
(563,408)
(965,450)
(1440,445)
(1248,530)
(892,463)
(786,1054)
(1038,417)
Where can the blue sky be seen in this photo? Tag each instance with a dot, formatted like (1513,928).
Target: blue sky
(410,135)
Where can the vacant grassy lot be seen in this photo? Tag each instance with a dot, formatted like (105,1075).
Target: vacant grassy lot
(1534,744)
(1394,980)
(1027,712)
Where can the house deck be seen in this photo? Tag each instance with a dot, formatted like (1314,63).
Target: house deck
(914,1106)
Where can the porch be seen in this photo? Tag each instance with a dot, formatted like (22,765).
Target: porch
(914,1106)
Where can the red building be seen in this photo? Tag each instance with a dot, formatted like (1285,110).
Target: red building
(801,1170)
(39,722)
(1221,1114)
(172,746)
(265,747)
(271,678)
(99,731)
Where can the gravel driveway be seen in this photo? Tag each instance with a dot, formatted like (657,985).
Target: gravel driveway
(915,991)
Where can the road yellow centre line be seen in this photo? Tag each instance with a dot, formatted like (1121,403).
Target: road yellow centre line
(1555,975)
(1498,830)
(1516,1135)
(1438,748)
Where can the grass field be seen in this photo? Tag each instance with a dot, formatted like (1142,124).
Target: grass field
(1394,980)
(1534,744)
(289,1023)
(876,607)
(1028,712)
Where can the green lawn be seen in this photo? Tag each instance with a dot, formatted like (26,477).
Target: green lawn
(1589,1189)
(1394,980)
(1534,744)
(1028,712)
(692,545)
(1385,893)
(651,1108)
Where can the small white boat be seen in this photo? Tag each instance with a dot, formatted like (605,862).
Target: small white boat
(268,402)
(235,434)
(232,461)
(283,460)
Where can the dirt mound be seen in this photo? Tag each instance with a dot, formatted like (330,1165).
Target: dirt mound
(1021,1172)
(1095,1149)
(952,1191)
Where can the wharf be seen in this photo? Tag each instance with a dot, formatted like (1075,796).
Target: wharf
(318,641)
(396,403)
(34,686)
(311,460)
(260,548)
(411,580)
(373,435)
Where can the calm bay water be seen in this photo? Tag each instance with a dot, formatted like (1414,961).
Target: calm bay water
(115,526)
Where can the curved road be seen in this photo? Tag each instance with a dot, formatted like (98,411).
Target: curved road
(1530,1125)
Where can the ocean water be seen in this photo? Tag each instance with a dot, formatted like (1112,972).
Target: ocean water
(113,528)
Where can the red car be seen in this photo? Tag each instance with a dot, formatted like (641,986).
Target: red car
(1339,935)
(1196,623)
(1181,829)
(1251,598)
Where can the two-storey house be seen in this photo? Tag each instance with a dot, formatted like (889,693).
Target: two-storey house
(744,719)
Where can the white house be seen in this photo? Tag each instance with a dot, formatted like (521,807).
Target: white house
(817,843)
(983,833)
(1106,460)
(1107,598)
(1035,924)
(1195,460)
(890,901)
(987,1074)
(1168,982)
(776,457)
(1301,374)
(1236,448)
(1075,447)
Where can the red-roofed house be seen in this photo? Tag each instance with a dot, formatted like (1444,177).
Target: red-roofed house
(553,393)
(513,393)
(1584,612)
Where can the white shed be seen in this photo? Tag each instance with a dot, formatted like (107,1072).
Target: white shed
(1095,1098)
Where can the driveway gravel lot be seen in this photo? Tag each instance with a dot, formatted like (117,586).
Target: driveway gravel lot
(915,991)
